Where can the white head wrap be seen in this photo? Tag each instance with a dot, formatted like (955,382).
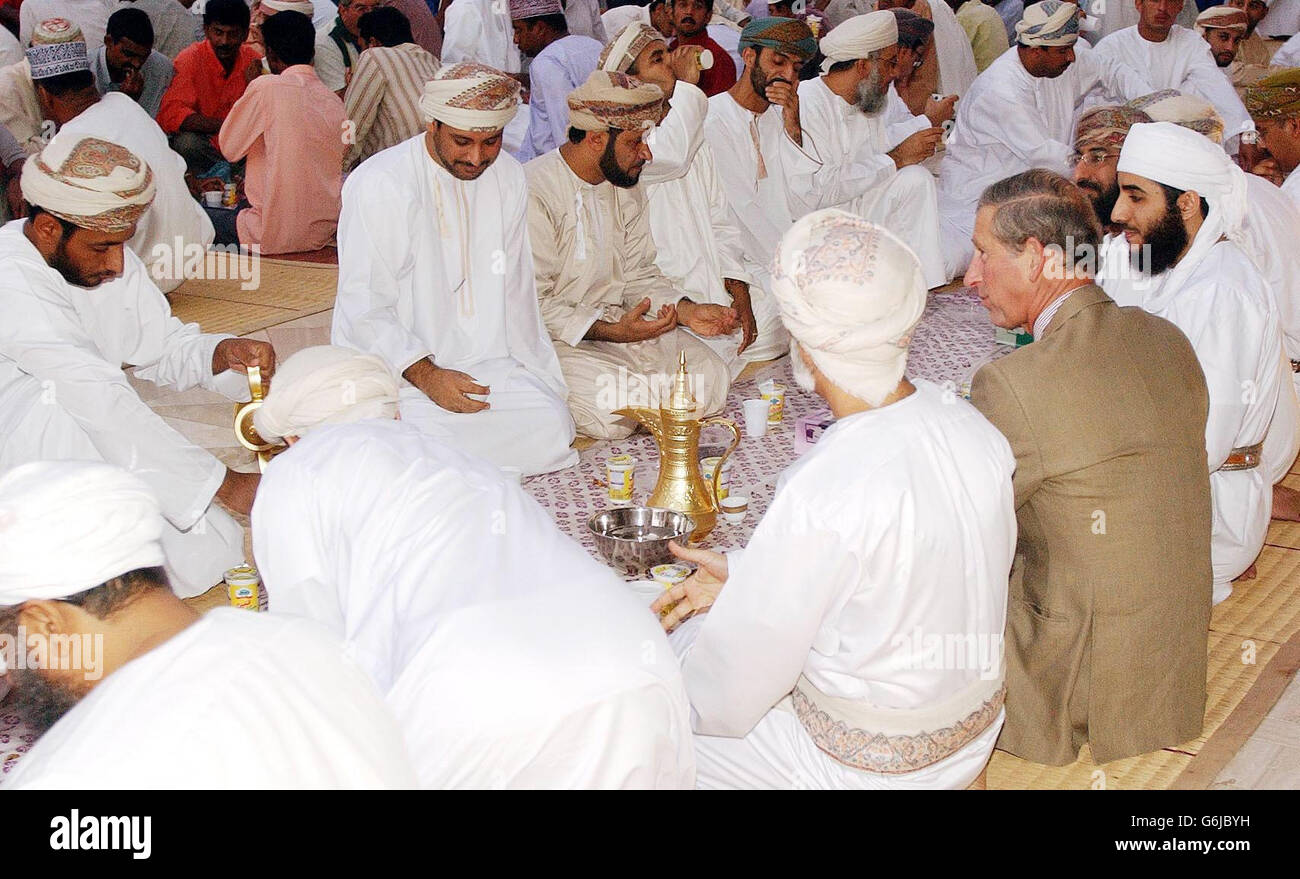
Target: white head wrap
(1179,157)
(1049,23)
(621,52)
(303,6)
(69,526)
(92,183)
(471,97)
(850,294)
(858,37)
(326,384)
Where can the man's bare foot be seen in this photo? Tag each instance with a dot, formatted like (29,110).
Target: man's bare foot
(1286,503)
(1248,574)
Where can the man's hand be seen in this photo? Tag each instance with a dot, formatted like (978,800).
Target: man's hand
(917,148)
(707,320)
(239,354)
(1269,170)
(697,592)
(685,62)
(447,387)
(14,195)
(632,327)
(133,84)
(739,293)
(253,70)
(940,111)
(238,491)
(786,96)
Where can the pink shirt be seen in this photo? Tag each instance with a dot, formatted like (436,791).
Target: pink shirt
(290,127)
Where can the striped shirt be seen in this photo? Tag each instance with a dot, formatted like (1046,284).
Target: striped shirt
(382,101)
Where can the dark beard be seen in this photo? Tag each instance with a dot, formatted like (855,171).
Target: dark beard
(759,82)
(1102,202)
(1165,243)
(613,173)
(39,701)
(60,262)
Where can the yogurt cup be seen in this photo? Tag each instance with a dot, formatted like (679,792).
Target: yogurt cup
(669,576)
(620,472)
(708,466)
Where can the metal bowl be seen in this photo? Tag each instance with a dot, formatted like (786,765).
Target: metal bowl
(635,539)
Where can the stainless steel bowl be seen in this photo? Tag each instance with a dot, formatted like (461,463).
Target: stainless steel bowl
(635,539)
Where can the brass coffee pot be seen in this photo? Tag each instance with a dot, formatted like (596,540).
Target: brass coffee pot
(676,430)
(245,432)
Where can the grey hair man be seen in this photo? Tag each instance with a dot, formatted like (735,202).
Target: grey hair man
(1105,413)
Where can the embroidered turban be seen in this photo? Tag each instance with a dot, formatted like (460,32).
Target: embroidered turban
(850,294)
(471,97)
(92,183)
(614,100)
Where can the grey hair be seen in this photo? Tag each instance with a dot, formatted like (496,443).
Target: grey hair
(1043,205)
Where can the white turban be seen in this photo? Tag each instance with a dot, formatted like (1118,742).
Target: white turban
(850,294)
(303,6)
(92,183)
(1049,23)
(326,384)
(69,526)
(1183,159)
(471,97)
(621,52)
(858,37)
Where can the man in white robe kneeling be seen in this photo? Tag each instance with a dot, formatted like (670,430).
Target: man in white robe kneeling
(895,532)
(436,277)
(844,113)
(133,689)
(510,657)
(77,305)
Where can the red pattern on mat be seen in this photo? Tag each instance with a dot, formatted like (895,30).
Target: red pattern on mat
(952,340)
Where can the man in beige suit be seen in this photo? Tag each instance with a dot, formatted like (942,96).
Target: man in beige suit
(1105,412)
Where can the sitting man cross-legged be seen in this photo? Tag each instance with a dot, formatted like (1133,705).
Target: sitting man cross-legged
(436,277)
(895,529)
(594,259)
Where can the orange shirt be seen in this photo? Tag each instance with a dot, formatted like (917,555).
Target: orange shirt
(290,127)
(202,86)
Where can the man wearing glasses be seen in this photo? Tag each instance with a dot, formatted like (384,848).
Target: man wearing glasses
(338,47)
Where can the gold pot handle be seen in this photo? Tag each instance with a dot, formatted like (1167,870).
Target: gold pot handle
(735,441)
(255,383)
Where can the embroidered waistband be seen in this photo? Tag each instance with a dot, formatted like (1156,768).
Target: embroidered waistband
(882,752)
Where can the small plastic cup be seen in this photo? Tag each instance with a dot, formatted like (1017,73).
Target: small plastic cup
(212,198)
(620,471)
(756,416)
(734,508)
(669,576)
(775,392)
